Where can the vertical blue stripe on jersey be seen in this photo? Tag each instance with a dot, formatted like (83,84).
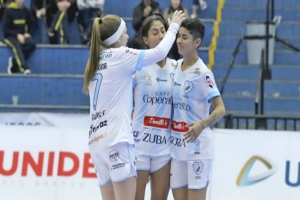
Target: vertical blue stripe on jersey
(140,60)
(133,82)
(159,86)
(212,95)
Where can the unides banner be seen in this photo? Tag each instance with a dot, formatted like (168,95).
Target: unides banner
(53,163)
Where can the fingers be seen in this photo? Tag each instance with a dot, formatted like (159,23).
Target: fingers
(191,124)
(190,136)
(169,21)
(180,14)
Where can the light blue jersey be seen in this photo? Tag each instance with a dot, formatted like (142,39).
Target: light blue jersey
(153,109)
(192,91)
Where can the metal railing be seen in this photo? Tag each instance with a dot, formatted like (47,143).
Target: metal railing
(270,122)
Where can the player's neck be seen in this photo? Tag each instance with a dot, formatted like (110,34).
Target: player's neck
(162,63)
(189,61)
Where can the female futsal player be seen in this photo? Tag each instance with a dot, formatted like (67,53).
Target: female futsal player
(193,91)
(151,116)
(108,81)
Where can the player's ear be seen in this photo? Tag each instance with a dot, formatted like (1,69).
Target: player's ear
(145,39)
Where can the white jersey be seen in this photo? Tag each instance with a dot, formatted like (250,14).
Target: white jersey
(153,109)
(111,93)
(192,91)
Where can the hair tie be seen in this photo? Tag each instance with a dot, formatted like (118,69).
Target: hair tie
(100,20)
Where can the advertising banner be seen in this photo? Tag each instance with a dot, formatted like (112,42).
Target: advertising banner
(256,165)
(53,163)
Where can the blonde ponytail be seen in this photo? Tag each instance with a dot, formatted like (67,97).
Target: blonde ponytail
(94,57)
(102,29)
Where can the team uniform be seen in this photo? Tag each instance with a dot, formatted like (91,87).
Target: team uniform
(192,91)
(111,142)
(152,113)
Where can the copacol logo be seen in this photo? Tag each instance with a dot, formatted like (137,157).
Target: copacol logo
(114,155)
(244,180)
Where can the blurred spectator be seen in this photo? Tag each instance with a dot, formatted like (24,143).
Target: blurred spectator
(168,13)
(140,13)
(59,29)
(43,8)
(174,5)
(88,10)
(3,4)
(17,24)
(196,4)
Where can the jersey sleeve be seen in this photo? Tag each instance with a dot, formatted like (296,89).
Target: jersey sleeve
(136,59)
(209,86)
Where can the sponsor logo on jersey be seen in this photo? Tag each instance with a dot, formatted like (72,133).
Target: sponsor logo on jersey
(197,71)
(102,66)
(180,127)
(188,87)
(177,84)
(209,82)
(148,79)
(155,139)
(198,168)
(157,100)
(93,129)
(130,51)
(117,166)
(177,142)
(157,122)
(98,115)
(161,80)
(97,138)
(135,134)
(172,76)
(197,146)
(106,55)
(181,106)
(114,155)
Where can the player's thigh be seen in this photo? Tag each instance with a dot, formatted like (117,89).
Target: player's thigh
(125,189)
(143,168)
(179,179)
(142,181)
(199,173)
(103,174)
(160,179)
(101,167)
(107,191)
(197,194)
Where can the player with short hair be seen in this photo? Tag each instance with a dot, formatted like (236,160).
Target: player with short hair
(194,91)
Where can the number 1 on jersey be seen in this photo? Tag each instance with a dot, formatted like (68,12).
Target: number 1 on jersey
(98,78)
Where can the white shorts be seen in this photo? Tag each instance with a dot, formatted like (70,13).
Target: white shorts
(115,163)
(151,163)
(192,174)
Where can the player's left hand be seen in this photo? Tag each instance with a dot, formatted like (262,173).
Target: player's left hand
(195,129)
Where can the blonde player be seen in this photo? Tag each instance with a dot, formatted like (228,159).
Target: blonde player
(194,91)
(108,81)
(151,116)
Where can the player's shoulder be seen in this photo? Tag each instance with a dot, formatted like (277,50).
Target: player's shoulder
(126,51)
(117,52)
(202,68)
